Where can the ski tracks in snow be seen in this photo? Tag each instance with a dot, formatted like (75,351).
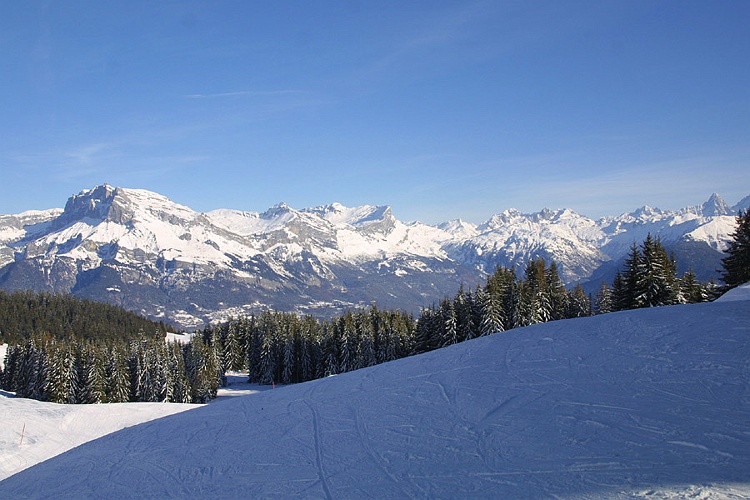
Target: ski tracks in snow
(322,475)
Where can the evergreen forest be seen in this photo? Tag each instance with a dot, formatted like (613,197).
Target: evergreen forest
(86,361)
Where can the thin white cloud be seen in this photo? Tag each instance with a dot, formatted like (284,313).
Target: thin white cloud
(247,93)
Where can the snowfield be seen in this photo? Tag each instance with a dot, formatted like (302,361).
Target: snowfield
(650,403)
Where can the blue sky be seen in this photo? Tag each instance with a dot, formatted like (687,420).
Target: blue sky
(441,109)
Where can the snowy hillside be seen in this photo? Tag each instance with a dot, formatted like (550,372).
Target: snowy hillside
(139,250)
(651,403)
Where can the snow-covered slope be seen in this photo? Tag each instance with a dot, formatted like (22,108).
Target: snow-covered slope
(33,431)
(640,404)
(138,249)
(741,292)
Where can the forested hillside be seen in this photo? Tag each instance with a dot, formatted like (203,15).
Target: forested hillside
(26,313)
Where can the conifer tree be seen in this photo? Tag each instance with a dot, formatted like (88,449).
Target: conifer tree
(491,313)
(690,290)
(288,372)
(268,354)
(88,367)
(656,276)
(535,305)
(578,304)
(428,331)
(367,355)
(450,323)
(463,306)
(604,301)
(61,376)
(180,391)
(555,293)
(737,262)
(630,289)
(117,377)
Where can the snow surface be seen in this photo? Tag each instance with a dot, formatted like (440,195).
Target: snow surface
(33,431)
(640,404)
(741,292)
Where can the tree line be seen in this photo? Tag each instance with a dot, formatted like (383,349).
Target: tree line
(277,347)
(81,371)
(649,279)
(25,313)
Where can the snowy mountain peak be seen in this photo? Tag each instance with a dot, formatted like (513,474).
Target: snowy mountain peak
(139,249)
(743,204)
(459,228)
(715,206)
(645,213)
(501,219)
(342,216)
(277,210)
(91,203)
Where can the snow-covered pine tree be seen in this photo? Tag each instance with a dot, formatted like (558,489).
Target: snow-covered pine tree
(268,353)
(490,312)
(348,347)
(254,341)
(555,293)
(289,367)
(464,307)
(61,374)
(737,262)
(235,348)
(604,302)
(630,288)
(502,288)
(449,322)
(330,344)
(180,391)
(309,356)
(578,304)
(89,369)
(203,370)
(116,376)
(656,276)
(429,330)
(11,366)
(690,290)
(535,304)
(366,353)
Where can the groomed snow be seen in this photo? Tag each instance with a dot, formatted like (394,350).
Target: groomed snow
(640,404)
(33,431)
(741,292)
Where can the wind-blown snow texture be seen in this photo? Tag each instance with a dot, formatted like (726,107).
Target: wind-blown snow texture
(639,404)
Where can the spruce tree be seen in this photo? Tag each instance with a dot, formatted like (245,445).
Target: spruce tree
(629,290)
(737,262)
(656,276)
(449,322)
(556,293)
(604,301)
(578,304)
(490,312)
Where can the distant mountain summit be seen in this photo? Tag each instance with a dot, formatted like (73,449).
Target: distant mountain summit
(140,250)
(715,206)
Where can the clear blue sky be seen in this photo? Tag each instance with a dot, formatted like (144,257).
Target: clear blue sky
(441,109)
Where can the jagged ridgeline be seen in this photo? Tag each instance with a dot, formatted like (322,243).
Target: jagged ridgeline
(61,316)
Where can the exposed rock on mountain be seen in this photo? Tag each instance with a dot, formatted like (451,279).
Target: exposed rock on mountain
(140,250)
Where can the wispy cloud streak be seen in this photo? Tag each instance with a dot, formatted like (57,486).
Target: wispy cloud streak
(248,93)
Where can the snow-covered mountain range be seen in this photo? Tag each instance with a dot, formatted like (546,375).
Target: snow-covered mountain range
(140,250)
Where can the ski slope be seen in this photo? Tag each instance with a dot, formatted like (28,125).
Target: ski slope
(649,403)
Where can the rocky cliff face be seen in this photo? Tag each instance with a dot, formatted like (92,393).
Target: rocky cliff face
(138,249)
